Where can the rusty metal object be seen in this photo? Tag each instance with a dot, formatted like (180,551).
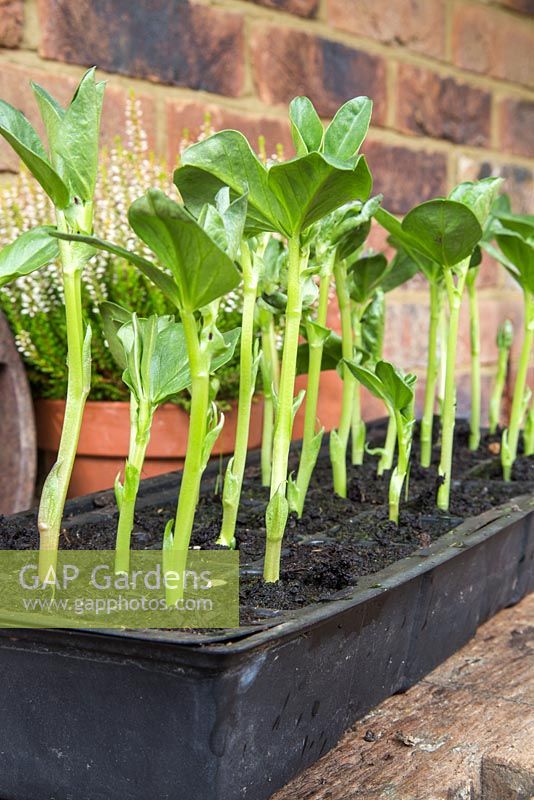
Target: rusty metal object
(18,449)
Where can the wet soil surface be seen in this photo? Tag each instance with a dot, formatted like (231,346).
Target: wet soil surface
(336,541)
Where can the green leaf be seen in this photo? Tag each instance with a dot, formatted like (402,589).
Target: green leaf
(201,270)
(373,326)
(226,353)
(155,353)
(306,127)
(226,158)
(365,276)
(388,384)
(234,216)
(22,137)
(348,129)
(521,254)
(479,196)
(398,385)
(75,146)
(523,224)
(161,279)
(51,112)
(113,318)
(31,251)
(311,187)
(402,268)
(444,230)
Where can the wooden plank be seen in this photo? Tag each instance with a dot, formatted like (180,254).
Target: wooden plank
(18,450)
(465,732)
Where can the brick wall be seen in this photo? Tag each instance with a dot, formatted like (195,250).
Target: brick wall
(452,82)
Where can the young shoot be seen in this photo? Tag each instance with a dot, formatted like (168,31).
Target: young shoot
(397,391)
(267,313)
(409,259)
(286,198)
(197,259)
(365,276)
(251,265)
(505,337)
(447,231)
(474,338)
(153,354)
(350,230)
(528,433)
(67,171)
(514,235)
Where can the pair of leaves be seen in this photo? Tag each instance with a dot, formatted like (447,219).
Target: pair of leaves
(446,230)
(152,352)
(514,233)
(200,271)
(342,138)
(388,384)
(287,197)
(70,170)
(366,275)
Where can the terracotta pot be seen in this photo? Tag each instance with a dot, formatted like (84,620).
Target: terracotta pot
(103,444)
(104,440)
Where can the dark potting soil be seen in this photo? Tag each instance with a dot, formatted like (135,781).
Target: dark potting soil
(336,541)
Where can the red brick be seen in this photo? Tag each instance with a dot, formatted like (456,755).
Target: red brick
(190,116)
(523,6)
(415,24)
(302,8)
(519,180)
(441,107)
(166,41)
(493,43)
(405,341)
(517,127)
(287,62)
(15,89)
(11,22)
(405,177)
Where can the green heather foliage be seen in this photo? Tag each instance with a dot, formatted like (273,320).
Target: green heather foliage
(34,302)
(155,297)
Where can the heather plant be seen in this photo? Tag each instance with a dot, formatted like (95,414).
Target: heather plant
(34,303)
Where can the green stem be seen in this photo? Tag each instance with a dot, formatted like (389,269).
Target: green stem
(284,417)
(270,373)
(498,390)
(474,436)
(310,442)
(454,293)
(141,422)
(427,420)
(54,493)
(443,332)
(339,439)
(247,384)
(528,433)
(399,474)
(518,401)
(388,454)
(193,466)
(358,429)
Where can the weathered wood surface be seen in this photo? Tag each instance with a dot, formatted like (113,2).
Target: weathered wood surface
(466,732)
(18,453)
